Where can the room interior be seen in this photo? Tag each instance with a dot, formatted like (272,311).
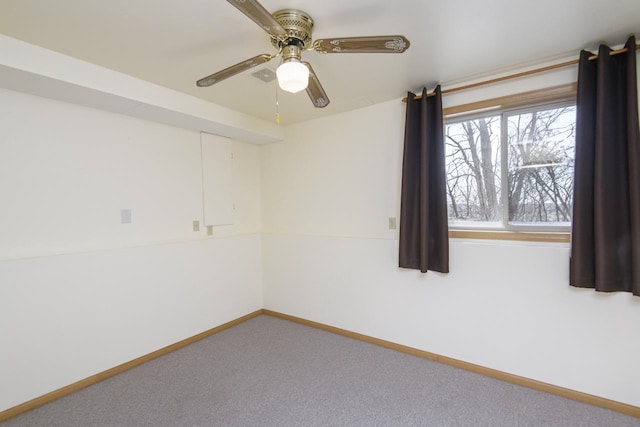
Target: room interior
(116,243)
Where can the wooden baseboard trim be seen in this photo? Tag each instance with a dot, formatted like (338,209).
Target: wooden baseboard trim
(633,411)
(57,394)
(623,408)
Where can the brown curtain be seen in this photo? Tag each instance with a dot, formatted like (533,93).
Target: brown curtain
(424,235)
(605,240)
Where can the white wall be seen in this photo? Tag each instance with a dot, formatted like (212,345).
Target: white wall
(33,69)
(328,256)
(79,291)
(66,172)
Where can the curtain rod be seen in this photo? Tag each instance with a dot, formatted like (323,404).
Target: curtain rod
(522,74)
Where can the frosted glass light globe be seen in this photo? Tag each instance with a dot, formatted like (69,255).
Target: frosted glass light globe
(293,76)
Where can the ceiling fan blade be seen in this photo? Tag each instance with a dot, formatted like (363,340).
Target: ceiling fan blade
(261,16)
(315,91)
(233,70)
(367,44)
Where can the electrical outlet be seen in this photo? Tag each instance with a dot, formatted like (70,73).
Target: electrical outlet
(392,223)
(196,225)
(209,230)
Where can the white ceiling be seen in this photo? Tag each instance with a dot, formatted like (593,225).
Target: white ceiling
(174,43)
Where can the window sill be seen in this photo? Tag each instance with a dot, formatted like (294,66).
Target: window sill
(511,235)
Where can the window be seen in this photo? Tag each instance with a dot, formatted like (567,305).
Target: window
(511,168)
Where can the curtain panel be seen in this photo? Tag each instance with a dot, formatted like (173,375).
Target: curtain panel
(605,239)
(424,234)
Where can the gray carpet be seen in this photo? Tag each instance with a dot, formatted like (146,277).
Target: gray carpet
(271,372)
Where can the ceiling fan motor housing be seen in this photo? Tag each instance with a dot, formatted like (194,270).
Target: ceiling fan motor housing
(298,25)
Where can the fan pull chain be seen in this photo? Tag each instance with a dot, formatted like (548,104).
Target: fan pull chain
(277,106)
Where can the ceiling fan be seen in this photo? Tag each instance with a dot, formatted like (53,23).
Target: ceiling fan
(290,32)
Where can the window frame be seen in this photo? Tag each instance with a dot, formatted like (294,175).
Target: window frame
(552,97)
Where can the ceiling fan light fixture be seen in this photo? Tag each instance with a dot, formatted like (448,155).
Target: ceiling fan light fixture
(293,76)
(290,32)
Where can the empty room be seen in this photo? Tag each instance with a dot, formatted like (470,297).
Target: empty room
(319,213)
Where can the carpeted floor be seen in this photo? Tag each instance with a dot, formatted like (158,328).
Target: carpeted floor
(271,372)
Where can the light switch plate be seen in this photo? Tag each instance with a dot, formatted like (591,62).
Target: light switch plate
(125,216)
(196,225)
